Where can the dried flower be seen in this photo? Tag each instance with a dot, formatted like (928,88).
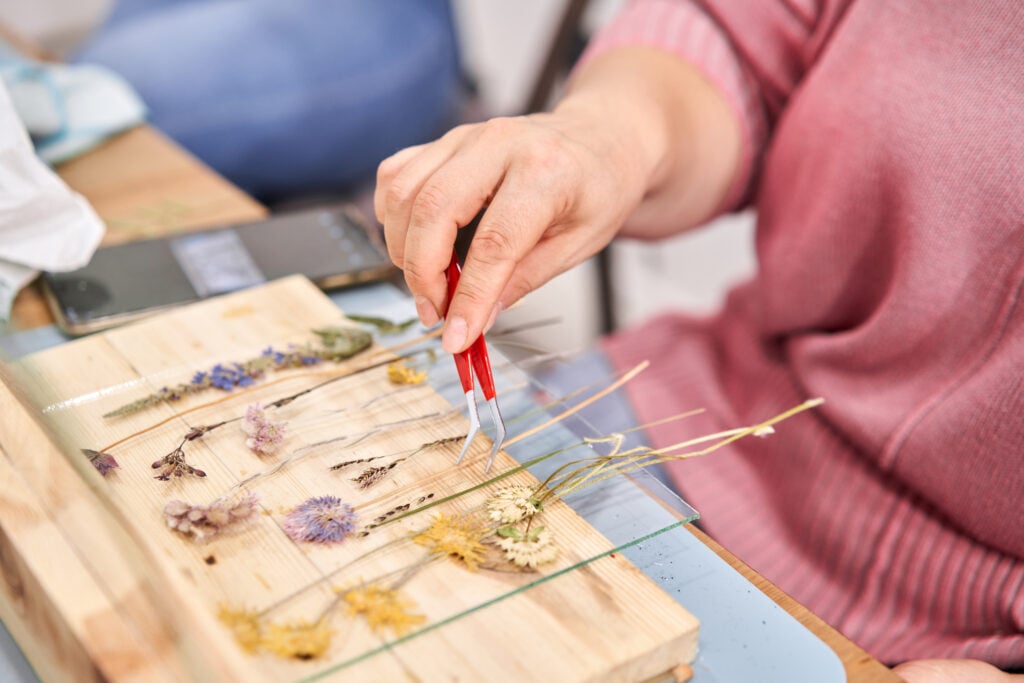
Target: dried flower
(244,625)
(343,342)
(512,504)
(397,510)
(173,465)
(103,462)
(297,640)
(383,325)
(323,519)
(528,549)
(203,521)
(265,436)
(400,373)
(371,475)
(457,536)
(383,608)
(337,344)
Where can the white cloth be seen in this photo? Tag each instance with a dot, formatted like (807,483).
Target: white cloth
(44,225)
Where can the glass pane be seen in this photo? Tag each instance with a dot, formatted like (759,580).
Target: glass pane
(406,521)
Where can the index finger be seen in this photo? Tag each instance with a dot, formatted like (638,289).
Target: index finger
(449,199)
(510,228)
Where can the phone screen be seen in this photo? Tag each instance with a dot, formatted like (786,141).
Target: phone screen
(125,280)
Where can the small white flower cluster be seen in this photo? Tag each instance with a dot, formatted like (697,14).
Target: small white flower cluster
(512,504)
(529,550)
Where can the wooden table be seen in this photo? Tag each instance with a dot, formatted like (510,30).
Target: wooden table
(143,185)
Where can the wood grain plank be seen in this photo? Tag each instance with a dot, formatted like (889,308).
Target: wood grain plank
(602,620)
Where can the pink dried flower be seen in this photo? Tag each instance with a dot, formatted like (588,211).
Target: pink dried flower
(103,462)
(323,519)
(265,436)
(203,521)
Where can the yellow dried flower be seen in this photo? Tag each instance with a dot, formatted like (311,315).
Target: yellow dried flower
(458,536)
(383,608)
(528,550)
(297,639)
(512,504)
(244,625)
(400,373)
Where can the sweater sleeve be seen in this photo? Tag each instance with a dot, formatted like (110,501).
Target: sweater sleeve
(755,53)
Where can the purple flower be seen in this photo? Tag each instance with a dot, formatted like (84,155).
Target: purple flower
(202,521)
(277,356)
(103,462)
(199,377)
(324,519)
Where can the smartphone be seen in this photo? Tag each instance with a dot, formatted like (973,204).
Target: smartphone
(333,247)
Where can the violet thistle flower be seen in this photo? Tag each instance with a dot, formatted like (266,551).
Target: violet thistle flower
(323,519)
(265,436)
(103,462)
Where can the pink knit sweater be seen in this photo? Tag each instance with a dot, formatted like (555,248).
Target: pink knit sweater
(885,155)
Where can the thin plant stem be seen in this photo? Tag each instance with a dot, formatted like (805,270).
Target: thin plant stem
(426,481)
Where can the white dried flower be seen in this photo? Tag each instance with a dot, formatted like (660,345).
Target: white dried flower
(528,550)
(512,504)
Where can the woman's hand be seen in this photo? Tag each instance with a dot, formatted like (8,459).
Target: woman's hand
(953,671)
(556,190)
(557,186)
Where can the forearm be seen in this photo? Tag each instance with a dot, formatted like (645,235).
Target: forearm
(668,126)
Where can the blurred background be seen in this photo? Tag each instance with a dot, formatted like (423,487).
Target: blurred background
(511,59)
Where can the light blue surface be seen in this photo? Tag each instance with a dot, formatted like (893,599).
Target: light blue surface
(744,635)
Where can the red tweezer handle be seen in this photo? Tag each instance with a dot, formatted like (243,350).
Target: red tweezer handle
(476,355)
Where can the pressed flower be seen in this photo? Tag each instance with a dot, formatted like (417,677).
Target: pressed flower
(103,462)
(383,325)
(383,608)
(297,639)
(336,344)
(323,519)
(530,549)
(400,373)
(173,465)
(203,521)
(512,504)
(457,536)
(244,625)
(264,435)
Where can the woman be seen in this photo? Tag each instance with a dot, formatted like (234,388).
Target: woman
(882,146)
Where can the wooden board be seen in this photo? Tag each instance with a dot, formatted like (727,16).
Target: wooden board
(602,620)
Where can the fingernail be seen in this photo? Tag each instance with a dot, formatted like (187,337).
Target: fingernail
(454,337)
(426,311)
(498,308)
